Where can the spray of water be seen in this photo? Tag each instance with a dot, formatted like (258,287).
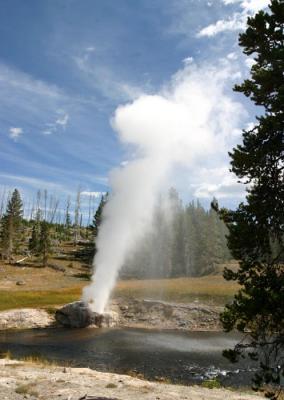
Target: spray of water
(187,122)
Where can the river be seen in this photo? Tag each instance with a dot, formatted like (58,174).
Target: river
(181,357)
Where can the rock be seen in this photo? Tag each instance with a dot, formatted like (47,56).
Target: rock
(79,315)
(20,283)
(75,315)
(25,318)
(57,267)
(109,319)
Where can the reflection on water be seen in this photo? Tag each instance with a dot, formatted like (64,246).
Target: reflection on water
(184,357)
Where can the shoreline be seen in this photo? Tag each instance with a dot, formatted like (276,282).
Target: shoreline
(144,314)
(20,380)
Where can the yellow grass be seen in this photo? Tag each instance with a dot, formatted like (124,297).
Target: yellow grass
(208,289)
(37,298)
(212,288)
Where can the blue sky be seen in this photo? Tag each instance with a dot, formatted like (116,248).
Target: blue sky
(66,65)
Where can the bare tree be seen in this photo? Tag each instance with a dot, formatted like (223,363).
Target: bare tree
(3,202)
(53,206)
(45,195)
(77,216)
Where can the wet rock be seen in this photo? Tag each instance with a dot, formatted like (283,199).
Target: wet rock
(79,315)
(75,315)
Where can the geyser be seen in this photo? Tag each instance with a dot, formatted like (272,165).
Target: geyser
(188,121)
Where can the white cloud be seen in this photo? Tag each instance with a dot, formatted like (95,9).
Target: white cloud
(93,194)
(250,126)
(63,120)
(15,133)
(60,123)
(254,5)
(237,21)
(104,80)
(19,80)
(249,62)
(188,60)
(219,183)
(249,5)
(90,49)
(234,23)
(232,56)
(226,2)
(33,182)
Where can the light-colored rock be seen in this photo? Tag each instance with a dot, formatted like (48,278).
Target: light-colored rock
(167,315)
(53,383)
(25,318)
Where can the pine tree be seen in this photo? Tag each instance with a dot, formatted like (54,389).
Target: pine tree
(11,225)
(44,245)
(256,228)
(34,240)
(97,220)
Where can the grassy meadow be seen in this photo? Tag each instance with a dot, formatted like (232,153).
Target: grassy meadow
(47,288)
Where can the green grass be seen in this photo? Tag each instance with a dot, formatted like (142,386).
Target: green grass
(37,298)
(209,289)
(111,386)
(27,389)
(211,384)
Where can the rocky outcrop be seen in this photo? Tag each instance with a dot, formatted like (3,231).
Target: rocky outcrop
(79,315)
(25,318)
(134,313)
(167,315)
(75,315)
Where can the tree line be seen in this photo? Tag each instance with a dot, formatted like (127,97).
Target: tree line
(184,240)
(38,232)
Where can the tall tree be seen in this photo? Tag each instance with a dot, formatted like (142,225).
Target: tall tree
(44,244)
(68,222)
(11,225)
(34,239)
(77,216)
(97,220)
(256,228)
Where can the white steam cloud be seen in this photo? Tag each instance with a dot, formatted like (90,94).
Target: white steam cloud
(189,121)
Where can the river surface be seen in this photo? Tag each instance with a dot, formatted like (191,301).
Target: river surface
(181,357)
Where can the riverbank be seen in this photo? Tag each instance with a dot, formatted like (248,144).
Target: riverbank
(149,314)
(22,380)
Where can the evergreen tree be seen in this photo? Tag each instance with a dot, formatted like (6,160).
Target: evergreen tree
(256,228)
(11,225)
(34,240)
(44,245)
(97,220)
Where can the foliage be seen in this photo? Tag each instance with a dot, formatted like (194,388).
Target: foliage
(183,241)
(11,225)
(256,228)
(97,220)
(34,239)
(211,384)
(44,244)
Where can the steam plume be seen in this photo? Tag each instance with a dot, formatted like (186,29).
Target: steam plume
(188,121)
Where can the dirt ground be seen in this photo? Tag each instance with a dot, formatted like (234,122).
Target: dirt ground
(20,381)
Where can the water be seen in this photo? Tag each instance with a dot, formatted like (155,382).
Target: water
(181,357)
